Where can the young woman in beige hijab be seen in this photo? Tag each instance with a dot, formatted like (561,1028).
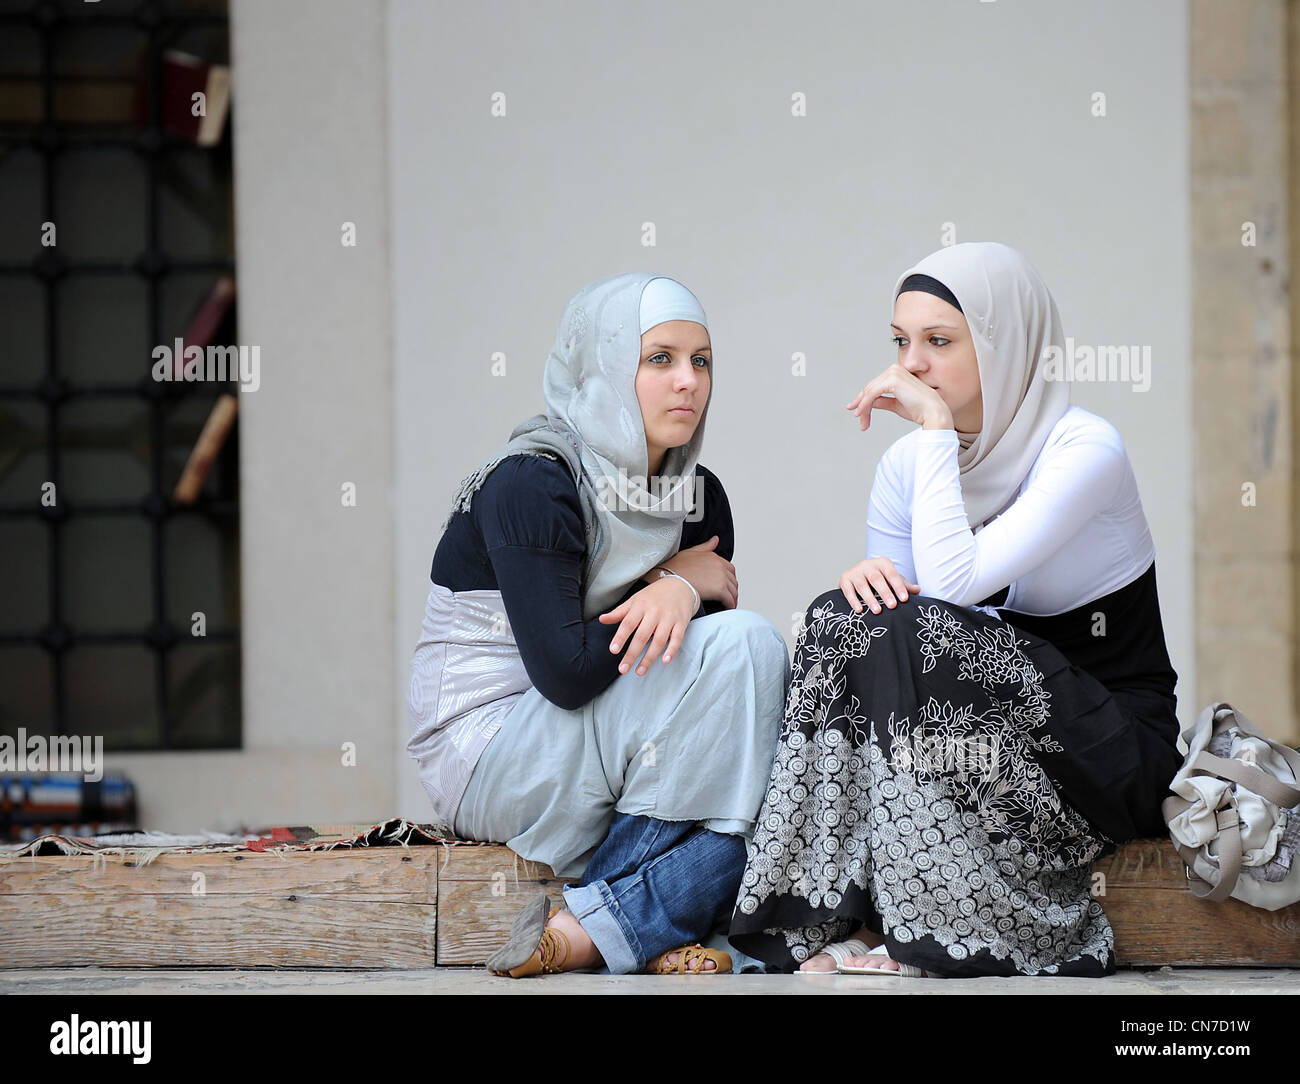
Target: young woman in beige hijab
(985,704)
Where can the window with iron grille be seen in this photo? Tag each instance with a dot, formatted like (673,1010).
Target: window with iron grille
(119,560)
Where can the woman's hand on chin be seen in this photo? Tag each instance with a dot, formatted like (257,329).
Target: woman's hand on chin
(876,576)
(657,615)
(712,575)
(904,393)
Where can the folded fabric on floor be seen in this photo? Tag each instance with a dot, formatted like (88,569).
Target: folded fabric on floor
(393,832)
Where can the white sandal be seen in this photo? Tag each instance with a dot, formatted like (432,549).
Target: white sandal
(839,951)
(905,971)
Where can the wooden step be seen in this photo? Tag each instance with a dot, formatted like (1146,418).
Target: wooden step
(1157,920)
(450,905)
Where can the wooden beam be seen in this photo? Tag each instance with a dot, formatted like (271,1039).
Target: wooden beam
(479,891)
(414,907)
(1157,920)
(367,907)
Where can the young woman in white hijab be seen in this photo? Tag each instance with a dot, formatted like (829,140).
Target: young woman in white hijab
(535,720)
(985,705)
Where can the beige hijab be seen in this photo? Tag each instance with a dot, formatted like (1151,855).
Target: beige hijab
(1013,320)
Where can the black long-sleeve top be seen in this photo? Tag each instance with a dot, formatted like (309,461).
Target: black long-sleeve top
(524,536)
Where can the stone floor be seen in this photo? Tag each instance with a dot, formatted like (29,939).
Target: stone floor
(99,980)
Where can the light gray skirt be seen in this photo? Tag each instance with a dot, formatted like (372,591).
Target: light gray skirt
(690,740)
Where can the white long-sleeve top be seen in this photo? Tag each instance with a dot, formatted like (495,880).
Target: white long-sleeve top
(1075,531)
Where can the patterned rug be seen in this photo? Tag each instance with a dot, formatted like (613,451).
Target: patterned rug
(298,837)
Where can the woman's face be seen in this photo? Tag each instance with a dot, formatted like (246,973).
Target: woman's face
(672,385)
(935,345)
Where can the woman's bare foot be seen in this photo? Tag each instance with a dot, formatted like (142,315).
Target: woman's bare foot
(694,963)
(885,963)
(823,961)
(582,950)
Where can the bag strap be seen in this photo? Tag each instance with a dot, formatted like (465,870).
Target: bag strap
(1267,786)
(1288,797)
(1229,837)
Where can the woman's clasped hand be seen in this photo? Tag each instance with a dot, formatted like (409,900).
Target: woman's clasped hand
(658,615)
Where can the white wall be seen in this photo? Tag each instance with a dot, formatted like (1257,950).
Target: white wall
(790,230)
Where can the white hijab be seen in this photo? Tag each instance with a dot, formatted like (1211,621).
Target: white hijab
(593,424)
(1013,320)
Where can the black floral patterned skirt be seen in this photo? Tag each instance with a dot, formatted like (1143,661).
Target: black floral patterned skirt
(944,779)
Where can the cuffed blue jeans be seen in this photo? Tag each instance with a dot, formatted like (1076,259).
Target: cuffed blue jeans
(648,792)
(653,886)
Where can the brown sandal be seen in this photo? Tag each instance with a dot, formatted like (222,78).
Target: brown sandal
(660,965)
(543,957)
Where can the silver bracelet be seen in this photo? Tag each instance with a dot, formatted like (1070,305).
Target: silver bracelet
(669,572)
